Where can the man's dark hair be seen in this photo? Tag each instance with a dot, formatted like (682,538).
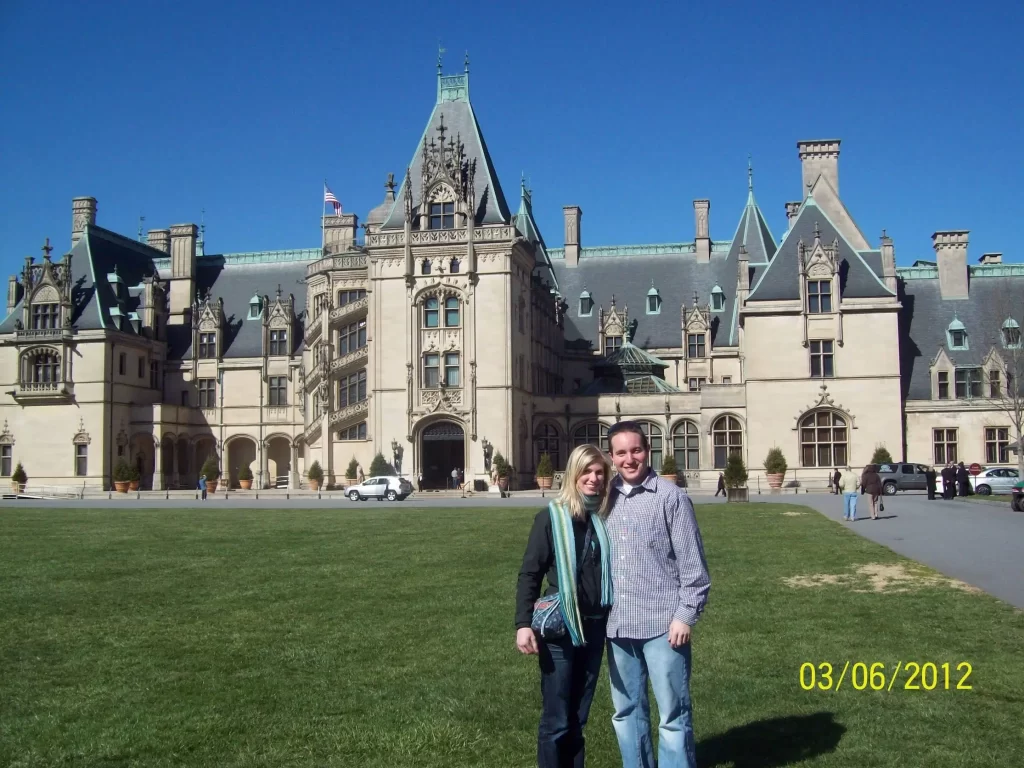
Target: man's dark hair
(628,426)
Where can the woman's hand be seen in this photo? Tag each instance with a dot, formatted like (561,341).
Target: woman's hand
(526,641)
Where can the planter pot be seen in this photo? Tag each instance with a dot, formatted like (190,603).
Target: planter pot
(736,494)
(16,486)
(775,480)
(503,483)
(670,478)
(211,486)
(544,483)
(121,486)
(245,485)
(133,485)
(314,485)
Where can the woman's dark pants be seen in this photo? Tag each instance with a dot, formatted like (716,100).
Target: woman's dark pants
(568,676)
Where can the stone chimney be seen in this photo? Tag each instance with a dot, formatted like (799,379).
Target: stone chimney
(13,293)
(888,262)
(159,239)
(951,255)
(701,208)
(819,157)
(339,232)
(183,272)
(83,214)
(991,258)
(792,211)
(572,214)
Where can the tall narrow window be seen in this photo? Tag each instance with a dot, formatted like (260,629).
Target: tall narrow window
(154,374)
(1011,334)
(442,215)
(612,344)
(586,304)
(453,268)
(686,446)
(823,440)
(82,460)
(727,438)
(995,388)
(425,267)
(352,337)
(717,299)
(45,316)
(545,440)
(997,445)
(352,389)
(968,383)
(430,370)
(6,456)
(695,345)
(45,368)
(207,345)
(943,382)
(822,359)
(819,296)
(451,312)
(430,312)
(944,442)
(278,390)
(122,364)
(142,367)
(451,369)
(207,393)
(592,434)
(278,343)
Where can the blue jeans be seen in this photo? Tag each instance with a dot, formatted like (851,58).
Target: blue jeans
(850,505)
(568,677)
(630,663)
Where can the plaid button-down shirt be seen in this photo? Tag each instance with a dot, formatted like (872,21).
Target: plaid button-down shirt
(658,568)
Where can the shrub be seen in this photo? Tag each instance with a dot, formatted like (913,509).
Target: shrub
(544,466)
(19,475)
(501,466)
(123,472)
(353,469)
(380,466)
(735,472)
(315,472)
(136,473)
(668,466)
(775,462)
(210,468)
(881,456)
(245,473)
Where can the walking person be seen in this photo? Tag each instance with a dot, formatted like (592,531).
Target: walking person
(455,477)
(661,583)
(871,484)
(847,485)
(202,486)
(963,479)
(836,477)
(569,545)
(419,481)
(721,485)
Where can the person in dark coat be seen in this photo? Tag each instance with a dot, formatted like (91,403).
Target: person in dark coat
(930,478)
(721,485)
(948,482)
(871,484)
(963,479)
(835,481)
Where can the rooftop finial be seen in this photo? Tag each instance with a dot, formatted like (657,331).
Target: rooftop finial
(696,298)
(389,185)
(46,249)
(467,62)
(817,231)
(440,51)
(279,291)
(750,173)
(141,220)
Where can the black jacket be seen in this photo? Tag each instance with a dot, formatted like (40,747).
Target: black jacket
(539,562)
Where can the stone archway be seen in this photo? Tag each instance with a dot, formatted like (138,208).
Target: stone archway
(442,449)
(279,461)
(205,447)
(187,476)
(241,452)
(142,458)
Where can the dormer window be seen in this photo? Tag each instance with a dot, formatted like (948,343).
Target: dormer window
(255,307)
(207,345)
(612,344)
(717,299)
(1011,333)
(819,296)
(653,301)
(695,345)
(425,267)
(586,304)
(442,216)
(45,316)
(956,335)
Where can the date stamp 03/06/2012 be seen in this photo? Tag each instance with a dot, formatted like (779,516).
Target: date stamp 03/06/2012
(880,676)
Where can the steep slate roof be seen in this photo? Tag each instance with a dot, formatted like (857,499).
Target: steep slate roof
(459,121)
(860,274)
(926,316)
(527,226)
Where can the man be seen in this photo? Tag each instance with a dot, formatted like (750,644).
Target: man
(948,481)
(202,485)
(847,485)
(455,477)
(419,481)
(721,485)
(660,581)
(930,478)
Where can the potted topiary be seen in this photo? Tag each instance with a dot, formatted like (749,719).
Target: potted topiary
(735,479)
(133,484)
(212,471)
(315,474)
(245,477)
(351,472)
(18,479)
(775,467)
(881,456)
(123,474)
(669,471)
(502,470)
(545,471)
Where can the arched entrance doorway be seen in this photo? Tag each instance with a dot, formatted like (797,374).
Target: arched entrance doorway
(241,453)
(142,457)
(279,461)
(442,449)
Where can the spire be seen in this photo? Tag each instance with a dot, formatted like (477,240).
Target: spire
(201,242)
(750,180)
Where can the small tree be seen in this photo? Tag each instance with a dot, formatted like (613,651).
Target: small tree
(501,466)
(668,466)
(353,468)
(136,473)
(379,465)
(881,456)
(315,472)
(211,468)
(735,471)
(123,472)
(775,462)
(544,466)
(19,475)
(245,473)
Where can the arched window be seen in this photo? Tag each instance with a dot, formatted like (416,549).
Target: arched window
(823,440)
(44,368)
(454,268)
(727,438)
(451,312)
(655,441)
(686,445)
(425,267)
(545,440)
(430,312)
(594,434)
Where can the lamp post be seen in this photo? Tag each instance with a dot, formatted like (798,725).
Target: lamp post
(396,455)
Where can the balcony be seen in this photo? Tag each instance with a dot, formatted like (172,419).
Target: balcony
(312,431)
(333,263)
(314,376)
(314,330)
(351,360)
(278,414)
(349,415)
(24,335)
(44,391)
(350,310)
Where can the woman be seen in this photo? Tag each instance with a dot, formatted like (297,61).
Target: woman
(569,545)
(871,484)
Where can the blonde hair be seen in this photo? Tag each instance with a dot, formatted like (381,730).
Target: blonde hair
(570,497)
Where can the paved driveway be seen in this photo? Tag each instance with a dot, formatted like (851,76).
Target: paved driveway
(977,542)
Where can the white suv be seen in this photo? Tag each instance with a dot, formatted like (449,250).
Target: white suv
(380,487)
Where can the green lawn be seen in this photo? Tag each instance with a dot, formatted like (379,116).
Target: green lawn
(383,637)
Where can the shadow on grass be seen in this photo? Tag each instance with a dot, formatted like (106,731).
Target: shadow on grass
(769,743)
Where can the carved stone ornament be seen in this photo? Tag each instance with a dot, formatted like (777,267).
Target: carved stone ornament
(825,401)
(6,437)
(442,399)
(81,437)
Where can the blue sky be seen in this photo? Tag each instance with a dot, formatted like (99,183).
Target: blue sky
(629,111)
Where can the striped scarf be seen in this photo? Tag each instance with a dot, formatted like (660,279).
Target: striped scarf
(565,562)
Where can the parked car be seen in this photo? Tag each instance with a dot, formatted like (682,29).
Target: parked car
(903,477)
(379,487)
(995,480)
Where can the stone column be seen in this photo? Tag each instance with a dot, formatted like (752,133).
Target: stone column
(175,477)
(265,465)
(158,464)
(293,476)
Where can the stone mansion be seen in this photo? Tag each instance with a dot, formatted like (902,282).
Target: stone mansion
(449,328)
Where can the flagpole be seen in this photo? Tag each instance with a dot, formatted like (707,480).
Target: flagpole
(323,214)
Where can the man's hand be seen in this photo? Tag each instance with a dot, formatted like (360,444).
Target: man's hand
(526,641)
(678,633)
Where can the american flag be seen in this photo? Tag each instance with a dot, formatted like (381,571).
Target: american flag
(330,198)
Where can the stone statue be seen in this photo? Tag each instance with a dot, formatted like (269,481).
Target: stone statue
(488,452)
(398,459)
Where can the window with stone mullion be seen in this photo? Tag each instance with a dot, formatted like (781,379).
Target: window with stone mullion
(442,216)
(352,389)
(45,316)
(819,296)
(431,370)
(967,383)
